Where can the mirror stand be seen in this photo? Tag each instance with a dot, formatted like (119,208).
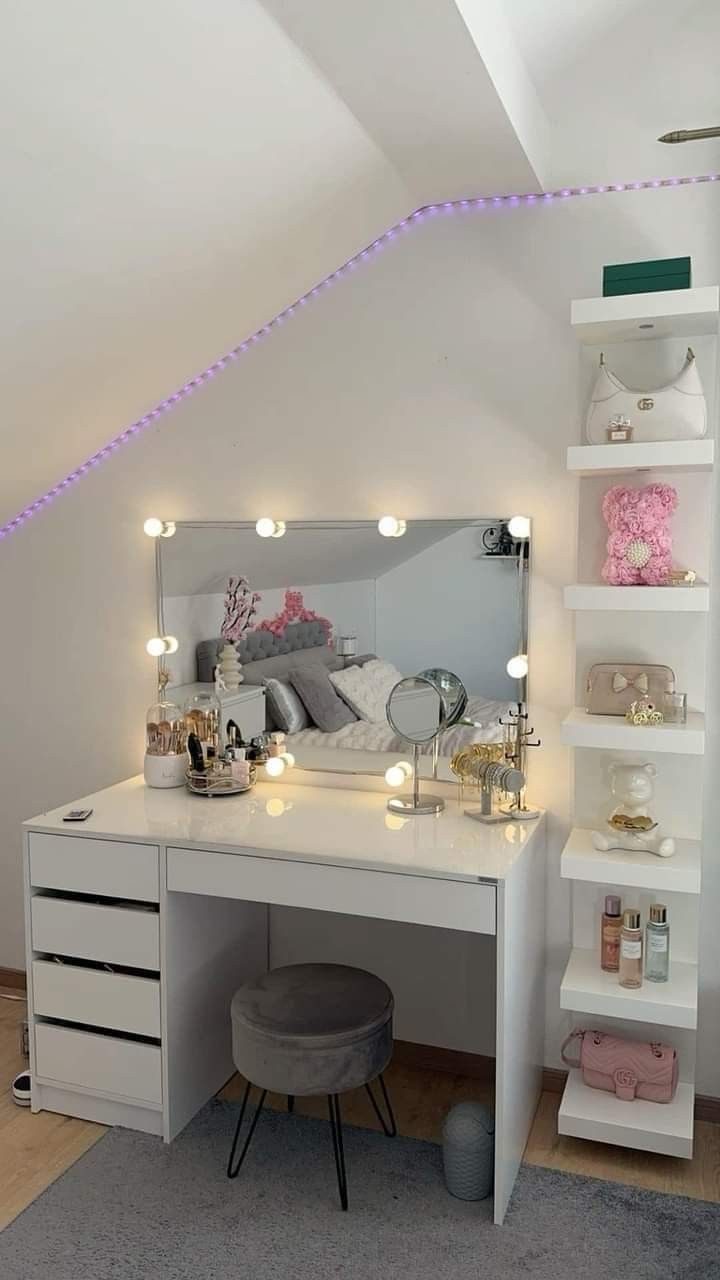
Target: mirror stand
(415,803)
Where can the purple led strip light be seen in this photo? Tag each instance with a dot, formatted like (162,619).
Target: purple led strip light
(449,206)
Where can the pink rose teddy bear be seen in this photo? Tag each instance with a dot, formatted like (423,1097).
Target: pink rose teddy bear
(640,543)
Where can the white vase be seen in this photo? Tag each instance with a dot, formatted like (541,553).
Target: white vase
(231,667)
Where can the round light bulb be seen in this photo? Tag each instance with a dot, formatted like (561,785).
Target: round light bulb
(406,767)
(156,647)
(274,766)
(266,527)
(172,644)
(519,527)
(275,808)
(289,758)
(155,528)
(517,667)
(391,527)
(395,776)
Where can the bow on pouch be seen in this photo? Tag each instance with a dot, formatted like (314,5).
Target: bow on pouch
(620,683)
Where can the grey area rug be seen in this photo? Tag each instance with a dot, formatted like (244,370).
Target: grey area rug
(133,1209)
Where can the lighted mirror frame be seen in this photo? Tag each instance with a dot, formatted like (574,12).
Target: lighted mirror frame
(497,539)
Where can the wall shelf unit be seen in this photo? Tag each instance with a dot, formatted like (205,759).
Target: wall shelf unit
(670,1007)
(662,455)
(646,1126)
(591,595)
(613,733)
(669,313)
(580,860)
(586,989)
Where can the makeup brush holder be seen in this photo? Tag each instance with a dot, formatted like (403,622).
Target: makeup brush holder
(164,771)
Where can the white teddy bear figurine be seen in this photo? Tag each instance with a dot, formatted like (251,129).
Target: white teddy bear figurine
(630,825)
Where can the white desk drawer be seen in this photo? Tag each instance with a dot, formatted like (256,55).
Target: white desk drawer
(113,1000)
(118,935)
(104,1064)
(449,904)
(112,867)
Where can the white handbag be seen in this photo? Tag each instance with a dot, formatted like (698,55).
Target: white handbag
(677,411)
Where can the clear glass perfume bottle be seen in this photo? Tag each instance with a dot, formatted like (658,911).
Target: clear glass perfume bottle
(631,950)
(657,944)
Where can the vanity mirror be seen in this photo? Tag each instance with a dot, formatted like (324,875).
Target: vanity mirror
(418,709)
(326,618)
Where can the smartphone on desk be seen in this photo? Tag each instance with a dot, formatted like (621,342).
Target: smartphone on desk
(77,815)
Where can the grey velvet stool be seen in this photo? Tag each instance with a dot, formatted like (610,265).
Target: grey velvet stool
(311,1029)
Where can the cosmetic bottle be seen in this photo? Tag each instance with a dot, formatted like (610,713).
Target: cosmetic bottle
(657,944)
(631,950)
(610,928)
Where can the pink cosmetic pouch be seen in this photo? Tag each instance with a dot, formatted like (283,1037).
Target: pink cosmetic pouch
(628,1068)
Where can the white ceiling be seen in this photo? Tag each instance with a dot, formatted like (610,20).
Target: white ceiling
(175,174)
(615,74)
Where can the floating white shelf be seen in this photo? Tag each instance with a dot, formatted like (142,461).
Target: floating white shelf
(666,1128)
(661,455)
(613,733)
(680,874)
(670,313)
(586,989)
(591,595)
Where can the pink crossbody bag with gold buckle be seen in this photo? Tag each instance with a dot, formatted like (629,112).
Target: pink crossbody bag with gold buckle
(628,1068)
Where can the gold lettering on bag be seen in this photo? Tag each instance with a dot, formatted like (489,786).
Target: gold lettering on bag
(646,402)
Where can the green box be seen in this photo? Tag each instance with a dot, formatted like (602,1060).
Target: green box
(646,277)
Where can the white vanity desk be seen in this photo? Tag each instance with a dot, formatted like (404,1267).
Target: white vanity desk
(186,882)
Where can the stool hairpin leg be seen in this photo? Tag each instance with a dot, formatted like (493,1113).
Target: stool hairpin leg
(337,1138)
(390,1130)
(233,1173)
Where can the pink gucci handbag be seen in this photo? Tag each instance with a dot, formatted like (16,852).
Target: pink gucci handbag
(628,1068)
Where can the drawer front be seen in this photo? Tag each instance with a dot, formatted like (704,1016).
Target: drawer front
(117,935)
(450,904)
(112,867)
(113,1000)
(103,1064)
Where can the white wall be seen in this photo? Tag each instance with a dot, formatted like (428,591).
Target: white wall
(350,606)
(450,607)
(174,176)
(440,379)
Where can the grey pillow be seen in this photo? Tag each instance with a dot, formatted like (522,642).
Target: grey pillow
(323,704)
(286,708)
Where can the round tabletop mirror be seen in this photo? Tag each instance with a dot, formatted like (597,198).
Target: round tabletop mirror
(416,710)
(452,690)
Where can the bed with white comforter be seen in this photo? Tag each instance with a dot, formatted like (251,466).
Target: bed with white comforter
(366,735)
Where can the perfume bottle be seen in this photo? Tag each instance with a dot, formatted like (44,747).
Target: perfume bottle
(610,929)
(657,944)
(631,950)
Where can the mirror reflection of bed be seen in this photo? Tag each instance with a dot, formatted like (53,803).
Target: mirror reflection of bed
(330,616)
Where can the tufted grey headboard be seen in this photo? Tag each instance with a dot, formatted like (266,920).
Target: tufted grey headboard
(264,654)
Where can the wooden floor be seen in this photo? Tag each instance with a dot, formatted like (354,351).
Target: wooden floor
(34,1150)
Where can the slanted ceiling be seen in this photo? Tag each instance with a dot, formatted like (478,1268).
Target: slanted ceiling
(175,174)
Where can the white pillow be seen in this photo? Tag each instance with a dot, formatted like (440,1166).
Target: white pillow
(366,689)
